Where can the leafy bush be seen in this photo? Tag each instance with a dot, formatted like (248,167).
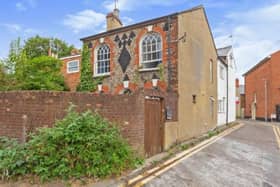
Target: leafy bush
(12,156)
(43,73)
(80,145)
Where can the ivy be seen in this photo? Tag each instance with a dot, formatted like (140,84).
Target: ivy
(87,83)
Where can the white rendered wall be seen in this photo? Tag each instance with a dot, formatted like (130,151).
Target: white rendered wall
(232,90)
(222,93)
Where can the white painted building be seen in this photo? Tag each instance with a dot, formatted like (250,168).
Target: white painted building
(226,86)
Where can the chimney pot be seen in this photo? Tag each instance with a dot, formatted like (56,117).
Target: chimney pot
(113,20)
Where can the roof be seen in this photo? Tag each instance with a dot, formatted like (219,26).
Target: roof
(224,51)
(140,24)
(261,63)
(223,60)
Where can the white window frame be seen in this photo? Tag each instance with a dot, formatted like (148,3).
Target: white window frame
(222,72)
(95,67)
(157,50)
(78,66)
(221,105)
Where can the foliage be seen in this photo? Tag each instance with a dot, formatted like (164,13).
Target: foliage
(212,133)
(41,73)
(161,71)
(12,156)
(39,46)
(80,145)
(26,69)
(87,82)
(2,76)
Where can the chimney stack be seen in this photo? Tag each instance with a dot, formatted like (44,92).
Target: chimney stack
(113,20)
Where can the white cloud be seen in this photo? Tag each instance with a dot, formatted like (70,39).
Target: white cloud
(255,35)
(11,27)
(20,6)
(135,4)
(18,29)
(85,20)
(127,20)
(25,4)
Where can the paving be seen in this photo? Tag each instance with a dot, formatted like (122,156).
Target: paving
(247,157)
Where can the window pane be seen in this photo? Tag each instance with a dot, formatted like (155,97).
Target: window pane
(103,60)
(151,50)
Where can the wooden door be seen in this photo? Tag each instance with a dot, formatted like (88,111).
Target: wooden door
(253,111)
(154,122)
(278,113)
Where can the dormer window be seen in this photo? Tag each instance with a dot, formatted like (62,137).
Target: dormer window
(73,66)
(151,51)
(102,61)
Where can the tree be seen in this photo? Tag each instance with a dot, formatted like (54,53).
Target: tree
(14,56)
(2,77)
(42,73)
(39,46)
(87,83)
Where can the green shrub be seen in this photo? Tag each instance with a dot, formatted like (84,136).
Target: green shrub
(80,145)
(12,156)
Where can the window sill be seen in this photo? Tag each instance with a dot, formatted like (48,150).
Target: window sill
(73,72)
(102,75)
(148,69)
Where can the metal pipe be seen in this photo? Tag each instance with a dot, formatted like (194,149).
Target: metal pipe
(265,98)
(169,54)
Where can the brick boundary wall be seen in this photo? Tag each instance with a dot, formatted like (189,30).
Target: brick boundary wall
(23,112)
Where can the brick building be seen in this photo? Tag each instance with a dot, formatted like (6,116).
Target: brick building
(262,89)
(178,49)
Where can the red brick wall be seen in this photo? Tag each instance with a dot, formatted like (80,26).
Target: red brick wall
(140,79)
(255,83)
(72,80)
(30,110)
(275,82)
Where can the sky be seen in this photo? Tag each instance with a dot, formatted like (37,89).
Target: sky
(253,24)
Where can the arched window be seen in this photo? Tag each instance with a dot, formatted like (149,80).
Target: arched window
(102,61)
(151,50)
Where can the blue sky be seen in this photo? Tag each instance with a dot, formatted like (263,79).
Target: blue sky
(255,25)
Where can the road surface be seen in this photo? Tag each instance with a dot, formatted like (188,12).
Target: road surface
(249,156)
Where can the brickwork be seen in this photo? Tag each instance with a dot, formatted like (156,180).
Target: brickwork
(268,71)
(23,112)
(137,77)
(72,80)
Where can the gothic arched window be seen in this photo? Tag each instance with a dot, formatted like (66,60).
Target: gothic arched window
(151,50)
(102,61)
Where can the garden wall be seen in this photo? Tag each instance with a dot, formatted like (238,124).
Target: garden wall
(23,112)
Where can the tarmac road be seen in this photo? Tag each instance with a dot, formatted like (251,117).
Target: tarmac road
(250,156)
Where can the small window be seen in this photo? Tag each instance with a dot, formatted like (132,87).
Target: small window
(221,105)
(222,72)
(151,51)
(102,61)
(73,67)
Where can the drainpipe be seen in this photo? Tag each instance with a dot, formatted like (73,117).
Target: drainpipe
(169,54)
(265,98)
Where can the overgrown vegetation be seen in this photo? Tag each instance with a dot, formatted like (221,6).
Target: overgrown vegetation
(29,63)
(87,83)
(42,73)
(80,145)
(39,46)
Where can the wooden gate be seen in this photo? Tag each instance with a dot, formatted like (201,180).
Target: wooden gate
(154,125)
